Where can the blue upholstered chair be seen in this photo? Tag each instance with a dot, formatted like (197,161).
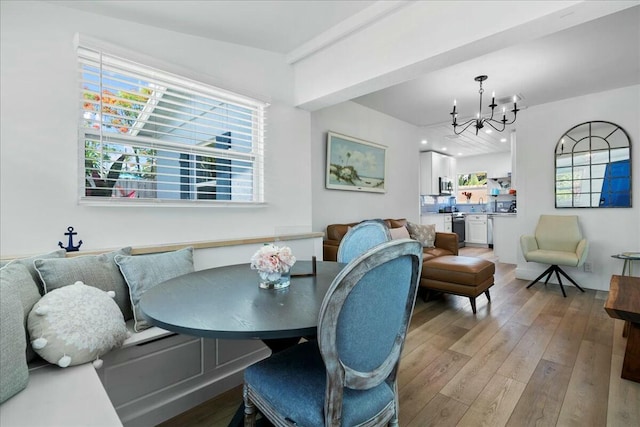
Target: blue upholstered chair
(361,238)
(348,376)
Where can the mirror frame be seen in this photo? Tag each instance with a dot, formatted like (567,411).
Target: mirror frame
(581,158)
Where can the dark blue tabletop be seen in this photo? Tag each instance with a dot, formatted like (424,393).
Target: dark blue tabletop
(226,302)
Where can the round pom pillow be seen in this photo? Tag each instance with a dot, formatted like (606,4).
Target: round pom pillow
(76,324)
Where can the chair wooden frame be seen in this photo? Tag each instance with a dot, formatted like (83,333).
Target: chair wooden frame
(338,374)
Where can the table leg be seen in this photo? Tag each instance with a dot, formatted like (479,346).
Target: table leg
(631,363)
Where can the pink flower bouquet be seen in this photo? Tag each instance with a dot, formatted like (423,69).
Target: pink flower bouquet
(272,261)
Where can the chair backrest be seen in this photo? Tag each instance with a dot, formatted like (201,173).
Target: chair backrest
(361,238)
(558,233)
(364,318)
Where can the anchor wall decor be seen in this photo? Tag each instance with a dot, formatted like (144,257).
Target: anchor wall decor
(70,247)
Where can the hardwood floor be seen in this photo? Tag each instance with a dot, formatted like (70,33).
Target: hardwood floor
(530,358)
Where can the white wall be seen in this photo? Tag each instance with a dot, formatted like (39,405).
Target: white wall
(496,165)
(403,163)
(39,143)
(609,231)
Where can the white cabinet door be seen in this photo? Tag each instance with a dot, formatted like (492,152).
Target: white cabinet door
(433,166)
(426,174)
(436,219)
(476,229)
(447,224)
(445,167)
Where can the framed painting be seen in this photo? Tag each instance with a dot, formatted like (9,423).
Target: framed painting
(356,165)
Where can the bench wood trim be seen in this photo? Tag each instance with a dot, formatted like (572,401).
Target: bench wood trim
(204,244)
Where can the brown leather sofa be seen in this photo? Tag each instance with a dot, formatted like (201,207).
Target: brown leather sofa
(445,244)
(442,269)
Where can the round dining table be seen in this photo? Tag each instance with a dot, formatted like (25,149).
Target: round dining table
(227,302)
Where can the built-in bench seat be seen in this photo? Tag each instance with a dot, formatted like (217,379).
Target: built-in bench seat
(67,397)
(156,374)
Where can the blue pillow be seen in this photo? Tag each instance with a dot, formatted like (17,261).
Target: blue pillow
(143,272)
(99,271)
(14,373)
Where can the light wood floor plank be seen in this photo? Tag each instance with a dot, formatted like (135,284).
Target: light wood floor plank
(441,411)
(541,400)
(558,305)
(624,397)
(586,400)
(494,405)
(532,308)
(619,342)
(476,374)
(478,336)
(411,364)
(525,356)
(565,343)
(417,393)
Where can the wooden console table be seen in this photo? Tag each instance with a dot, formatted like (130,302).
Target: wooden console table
(624,303)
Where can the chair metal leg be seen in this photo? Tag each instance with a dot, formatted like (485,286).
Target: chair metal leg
(548,276)
(564,294)
(558,271)
(547,271)
(570,279)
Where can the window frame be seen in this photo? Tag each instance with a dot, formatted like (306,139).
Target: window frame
(255,155)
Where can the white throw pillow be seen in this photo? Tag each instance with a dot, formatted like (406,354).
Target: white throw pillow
(399,233)
(76,324)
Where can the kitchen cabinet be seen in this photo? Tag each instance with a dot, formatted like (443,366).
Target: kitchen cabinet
(433,166)
(506,240)
(441,221)
(476,229)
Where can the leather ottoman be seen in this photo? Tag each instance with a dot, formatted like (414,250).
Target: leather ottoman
(458,275)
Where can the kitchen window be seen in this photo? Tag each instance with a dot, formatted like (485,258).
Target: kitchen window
(472,188)
(153,137)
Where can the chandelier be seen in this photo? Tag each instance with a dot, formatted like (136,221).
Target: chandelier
(479,122)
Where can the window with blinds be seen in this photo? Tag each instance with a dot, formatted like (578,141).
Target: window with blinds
(146,134)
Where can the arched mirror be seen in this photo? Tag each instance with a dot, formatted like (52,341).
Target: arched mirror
(593,167)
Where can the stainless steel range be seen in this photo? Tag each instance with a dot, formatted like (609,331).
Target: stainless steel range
(458,227)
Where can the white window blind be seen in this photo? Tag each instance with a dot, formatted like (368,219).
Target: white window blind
(150,134)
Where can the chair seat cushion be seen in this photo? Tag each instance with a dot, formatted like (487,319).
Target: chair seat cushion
(542,256)
(293,381)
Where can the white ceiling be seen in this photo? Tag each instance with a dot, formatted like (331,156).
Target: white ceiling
(274,25)
(596,56)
